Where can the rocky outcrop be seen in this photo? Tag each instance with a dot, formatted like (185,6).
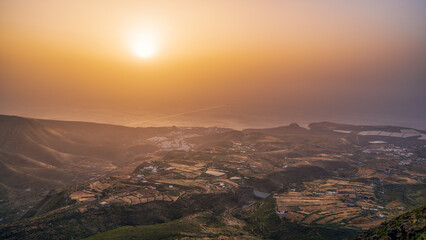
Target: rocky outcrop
(410,225)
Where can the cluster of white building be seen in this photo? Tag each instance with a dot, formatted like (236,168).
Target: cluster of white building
(390,151)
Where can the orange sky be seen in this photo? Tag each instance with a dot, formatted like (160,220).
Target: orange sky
(280,58)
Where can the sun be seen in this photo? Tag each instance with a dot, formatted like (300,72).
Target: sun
(144,46)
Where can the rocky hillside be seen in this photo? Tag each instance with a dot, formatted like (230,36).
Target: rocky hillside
(39,155)
(410,225)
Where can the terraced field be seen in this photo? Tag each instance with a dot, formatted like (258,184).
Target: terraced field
(333,201)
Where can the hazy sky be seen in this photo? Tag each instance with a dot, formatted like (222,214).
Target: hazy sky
(356,61)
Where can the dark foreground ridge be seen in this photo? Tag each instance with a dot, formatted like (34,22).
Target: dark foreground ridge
(410,225)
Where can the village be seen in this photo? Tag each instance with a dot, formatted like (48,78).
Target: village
(179,168)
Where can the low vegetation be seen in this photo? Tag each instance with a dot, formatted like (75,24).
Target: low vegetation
(410,225)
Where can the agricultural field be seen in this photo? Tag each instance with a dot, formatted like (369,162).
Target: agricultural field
(263,182)
(333,201)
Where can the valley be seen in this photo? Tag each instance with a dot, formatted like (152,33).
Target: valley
(75,180)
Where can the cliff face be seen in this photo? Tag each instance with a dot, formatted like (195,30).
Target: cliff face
(410,225)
